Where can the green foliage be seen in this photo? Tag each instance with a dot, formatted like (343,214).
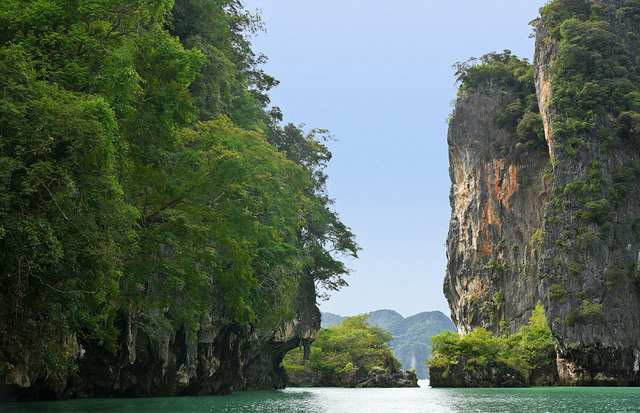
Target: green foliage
(627,128)
(514,76)
(64,222)
(589,312)
(230,81)
(325,240)
(411,335)
(624,180)
(594,74)
(532,348)
(504,68)
(530,131)
(115,200)
(224,223)
(617,275)
(535,341)
(557,11)
(492,265)
(595,211)
(479,347)
(557,291)
(537,238)
(352,345)
(594,79)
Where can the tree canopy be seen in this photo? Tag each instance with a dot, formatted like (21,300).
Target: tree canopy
(354,344)
(143,172)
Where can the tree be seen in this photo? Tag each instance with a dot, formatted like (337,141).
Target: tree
(352,345)
(63,221)
(141,176)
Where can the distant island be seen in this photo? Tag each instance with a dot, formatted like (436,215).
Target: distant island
(353,353)
(411,343)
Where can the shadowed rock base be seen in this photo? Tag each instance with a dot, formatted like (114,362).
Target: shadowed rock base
(464,374)
(356,378)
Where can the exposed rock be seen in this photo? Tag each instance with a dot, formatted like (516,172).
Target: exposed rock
(224,357)
(264,370)
(578,252)
(381,378)
(18,376)
(355,378)
(545,377)
(463,374)
(498,198)
(594,317)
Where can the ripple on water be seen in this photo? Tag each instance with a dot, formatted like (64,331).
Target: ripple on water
(338,400)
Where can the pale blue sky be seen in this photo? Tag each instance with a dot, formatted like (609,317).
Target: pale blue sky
(377,74)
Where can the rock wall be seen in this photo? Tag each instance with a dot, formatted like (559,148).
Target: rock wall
(224,357)
(591,250)
(498,196)
(563,228)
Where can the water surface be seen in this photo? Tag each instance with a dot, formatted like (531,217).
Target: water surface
(337,400)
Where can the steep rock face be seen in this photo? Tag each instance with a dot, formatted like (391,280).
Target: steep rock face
(223,357)
(498,198)
(591,243)
(264,370)
(578,232)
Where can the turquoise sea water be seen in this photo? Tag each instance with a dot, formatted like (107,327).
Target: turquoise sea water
(333,400)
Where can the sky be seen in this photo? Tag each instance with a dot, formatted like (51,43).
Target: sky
(377,74)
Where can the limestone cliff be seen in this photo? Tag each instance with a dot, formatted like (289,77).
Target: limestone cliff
(562,226)
(223,357)
(498,197)
(591,243)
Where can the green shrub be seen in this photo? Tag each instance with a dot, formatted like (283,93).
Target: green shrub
(352,345)
(519,113)
(530,349)
(557,291)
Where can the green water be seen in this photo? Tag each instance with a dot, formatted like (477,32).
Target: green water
(332,400)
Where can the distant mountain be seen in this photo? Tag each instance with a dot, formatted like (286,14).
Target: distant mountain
(412,335)
(329,319)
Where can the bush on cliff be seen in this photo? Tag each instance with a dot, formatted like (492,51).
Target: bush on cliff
(519,113)
(529,351)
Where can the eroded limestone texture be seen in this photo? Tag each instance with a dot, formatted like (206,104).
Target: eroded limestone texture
(563,227)
(223,358)
(498,198)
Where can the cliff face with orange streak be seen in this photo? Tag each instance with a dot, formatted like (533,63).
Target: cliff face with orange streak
(498,198)
(562,225)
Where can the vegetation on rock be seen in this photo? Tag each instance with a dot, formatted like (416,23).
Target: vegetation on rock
(411,343)
(345,354)
(520,113)
(529,351)
(582,259)
(143,174)
(354,344)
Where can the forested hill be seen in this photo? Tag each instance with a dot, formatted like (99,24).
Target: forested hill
(152,203)
(411,342)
